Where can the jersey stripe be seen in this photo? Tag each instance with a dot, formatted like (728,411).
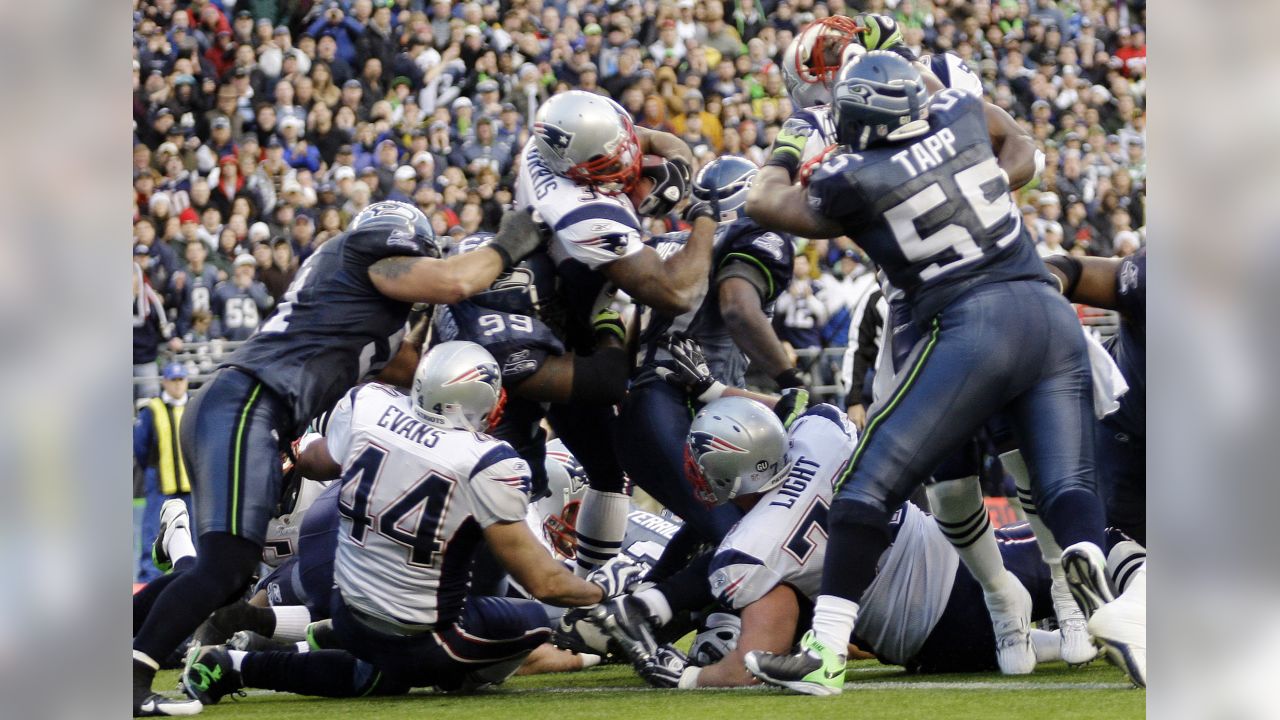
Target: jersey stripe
(596,212)
(239,459)
(493,457)
(743,256)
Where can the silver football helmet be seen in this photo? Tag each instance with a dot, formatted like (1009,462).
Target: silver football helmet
(739,446)
(398,216)
(717,640)
(811,61)
(589,139)
(567,482)
(458,386)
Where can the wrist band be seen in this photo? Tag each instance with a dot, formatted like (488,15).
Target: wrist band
(789,378)
(712,393)
(789,161)
(689,678)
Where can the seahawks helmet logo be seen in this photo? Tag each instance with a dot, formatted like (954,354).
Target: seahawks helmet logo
(701,443)
(553,136)
(484,372)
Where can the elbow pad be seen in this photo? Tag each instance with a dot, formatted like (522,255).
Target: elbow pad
(600,378)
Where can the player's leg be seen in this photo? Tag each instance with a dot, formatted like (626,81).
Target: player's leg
(650,436)
(602,521)
(213,672)
(960,373)
(1122,479)
(227,440)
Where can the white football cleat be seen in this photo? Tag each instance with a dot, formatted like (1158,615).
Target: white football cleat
(1011,619)
(1121,627)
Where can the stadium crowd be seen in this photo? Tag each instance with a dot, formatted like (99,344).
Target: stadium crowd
(262,127)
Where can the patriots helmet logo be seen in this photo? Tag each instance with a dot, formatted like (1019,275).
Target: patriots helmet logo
(701,443)
(484,372)
(555,137)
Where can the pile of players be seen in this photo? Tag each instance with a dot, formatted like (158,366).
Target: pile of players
(426,534)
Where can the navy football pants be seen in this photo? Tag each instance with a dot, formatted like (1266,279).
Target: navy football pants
(1122,479)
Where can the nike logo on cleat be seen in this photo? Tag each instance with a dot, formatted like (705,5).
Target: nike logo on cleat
(832,674)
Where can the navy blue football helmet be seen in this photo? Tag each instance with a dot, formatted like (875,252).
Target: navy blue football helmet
(878,98)
(728,177)
(395,215)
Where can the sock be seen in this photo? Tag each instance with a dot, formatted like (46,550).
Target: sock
(325,673)
(657,604)
(1047,645)
(1124,562)
(237,658)
(221,574)
(602,521)
(291,622)
(833,621)
(689,589)
(178,544)
(1064,605)
(858,534)
(957,506)
(146,660)
(145,598)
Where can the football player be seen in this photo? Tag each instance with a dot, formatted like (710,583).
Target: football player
(731,324)
(342,318)
(918,182)
(579,172)
(421,488)
(923,611)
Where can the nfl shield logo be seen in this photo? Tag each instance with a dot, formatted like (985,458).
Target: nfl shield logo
(557,138)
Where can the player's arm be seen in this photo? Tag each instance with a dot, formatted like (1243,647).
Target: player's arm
(665,144)
(596,379)
(1015,149)
(399,371)
(536,570)
(768,624)
(1088,280)
(777,204)
(750,327)
(670,286)
(456,278)
(315,462)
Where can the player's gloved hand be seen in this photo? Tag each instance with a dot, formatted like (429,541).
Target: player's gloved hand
(663,668)
(703,205)
(670,186)
(609,321)
(691,373)
(617,576)
(518,234)
(788,148)
(791,405)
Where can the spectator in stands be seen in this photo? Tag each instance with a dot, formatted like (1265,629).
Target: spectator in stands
(157,452)
(151,329)
(800,312)
(281,269)
(240,303)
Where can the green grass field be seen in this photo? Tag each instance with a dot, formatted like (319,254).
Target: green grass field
(1054,692)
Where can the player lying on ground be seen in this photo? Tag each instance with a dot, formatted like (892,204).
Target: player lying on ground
(924,610)
(422,487)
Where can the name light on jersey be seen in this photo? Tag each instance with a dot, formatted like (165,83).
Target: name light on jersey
(797,481)
(408,428)
(929,153)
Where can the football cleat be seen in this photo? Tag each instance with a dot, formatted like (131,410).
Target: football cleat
(812,670)
(147,703)
(1086,572)
(1011,619)
(209,675)
(1077,646)
(1121,627)
(626,620)
(173,514)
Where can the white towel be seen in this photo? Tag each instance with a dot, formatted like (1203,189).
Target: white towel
(1108,382)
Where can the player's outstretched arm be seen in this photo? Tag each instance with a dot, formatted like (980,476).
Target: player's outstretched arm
(664,143)
(670,286)
(750,328)
(1088,280)
(534,568)
(768,624)
(777,204)
(456,278)
(1015,149)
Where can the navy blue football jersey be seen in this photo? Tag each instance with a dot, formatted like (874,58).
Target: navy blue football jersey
(239,310)
(1129,346)
(516,319)
(933,212)
(333,327)
(741,247)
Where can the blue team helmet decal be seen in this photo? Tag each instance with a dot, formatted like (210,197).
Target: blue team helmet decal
(702,443)
(484,372)
(552,135)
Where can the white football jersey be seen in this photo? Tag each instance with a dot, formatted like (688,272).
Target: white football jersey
(953,73)
(587,225)
(784,537)
(414,502)
(821,130)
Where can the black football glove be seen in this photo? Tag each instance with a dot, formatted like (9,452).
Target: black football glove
(519,234)
(691,373)
(670,186)
(791,405)
(663,668)
(703,204)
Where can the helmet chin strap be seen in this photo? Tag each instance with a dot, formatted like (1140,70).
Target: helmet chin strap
(910,130)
